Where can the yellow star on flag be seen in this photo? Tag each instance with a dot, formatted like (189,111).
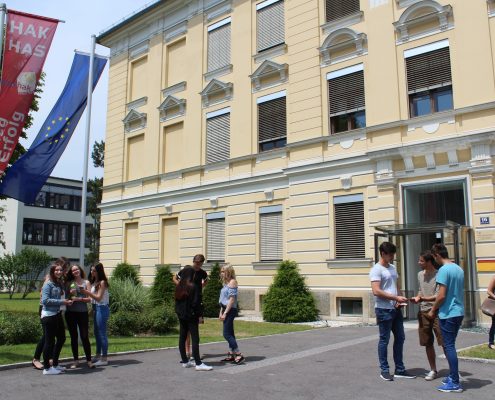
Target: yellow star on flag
(60,118)
(49,128)
(53,122)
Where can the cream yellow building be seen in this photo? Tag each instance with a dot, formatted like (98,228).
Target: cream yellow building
(260,130)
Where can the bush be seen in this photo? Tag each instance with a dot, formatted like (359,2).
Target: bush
(125,295)
(123,323)
(163,288)
(159,320)
(211,293)
(288,299)
(127,271)
(19,328)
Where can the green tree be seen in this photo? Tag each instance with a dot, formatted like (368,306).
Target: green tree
(32,262)
(163,289)
(125,271)
(211,293)
(10,273)
(288,298)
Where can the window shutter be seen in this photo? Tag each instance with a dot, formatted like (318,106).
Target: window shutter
(336,9)
(219,47)
(346,93)
(271,26)
(215,239)
(349,230)
(428,70)
(218,138)
(271,238)
(272,120)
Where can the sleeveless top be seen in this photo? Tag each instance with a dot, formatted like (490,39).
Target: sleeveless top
(104,300)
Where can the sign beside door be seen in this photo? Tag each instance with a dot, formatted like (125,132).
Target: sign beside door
(484,220)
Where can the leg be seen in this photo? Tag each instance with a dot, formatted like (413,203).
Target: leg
(60,335)
(95,331)
(450,328)
(431,355)
(49,329)
(491,334)
(71,320)
(188,345)
(384,321)
(426,338)
(399,338)
(228,330)
(83,324)
(39,346)
(183,332)
(103,315)
(194,330)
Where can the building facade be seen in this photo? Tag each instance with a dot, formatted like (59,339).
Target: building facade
(260,130)
(51,223)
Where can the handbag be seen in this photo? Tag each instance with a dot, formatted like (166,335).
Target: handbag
(488,307)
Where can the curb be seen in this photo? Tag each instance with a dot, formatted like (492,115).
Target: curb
(471,359)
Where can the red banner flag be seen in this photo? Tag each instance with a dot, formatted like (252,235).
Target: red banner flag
(27,41)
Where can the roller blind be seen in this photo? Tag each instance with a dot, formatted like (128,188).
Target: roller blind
(272,120)
(271,238)
(428,70)
(349,230)
(336,9)
(346,93)
(215,239)
(219,47)
(218,138)
(270,26)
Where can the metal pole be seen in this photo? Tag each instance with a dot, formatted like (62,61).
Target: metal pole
(3,12)
(86,154)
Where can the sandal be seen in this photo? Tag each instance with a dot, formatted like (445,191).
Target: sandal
(37,364)
(491,346)
(90,365)
(239,358)
(230,357)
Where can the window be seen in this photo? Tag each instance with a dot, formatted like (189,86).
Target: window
(59,197)
(271,233)
(349,226)
(215,237)
(270,24)
(48,233)
(272,121)
(219,45)
(218,136)
(336,9)
(350,306)
(346,99)
(429,79)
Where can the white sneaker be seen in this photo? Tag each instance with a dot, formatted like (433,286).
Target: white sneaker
(60,368)
(187,364)
(203,367)
(431,375)
(51,371)
(100,363)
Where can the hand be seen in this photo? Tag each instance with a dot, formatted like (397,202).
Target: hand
(68,302)
(73,292)
(431,314)
(415,300)
(401,299)
(86,292)
(222,317)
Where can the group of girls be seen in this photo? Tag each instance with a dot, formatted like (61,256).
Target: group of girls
(189,311)
(66,291)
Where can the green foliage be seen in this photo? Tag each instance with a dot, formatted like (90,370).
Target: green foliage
(159,320)
(211,293)
(32,262)
(19,328)
(125,295)
(10,273)
(98,154)
(123,323)
(163,288)
(127,271)
(95,187)
(288,299)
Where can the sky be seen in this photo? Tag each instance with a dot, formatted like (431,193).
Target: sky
(82,19)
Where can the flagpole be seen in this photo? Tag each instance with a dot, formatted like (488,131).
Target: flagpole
(3,12)
(82,240)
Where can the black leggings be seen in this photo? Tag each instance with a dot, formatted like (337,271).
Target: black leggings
(189,326)
(81,320)
(53,328)
(491,334)
(41,343)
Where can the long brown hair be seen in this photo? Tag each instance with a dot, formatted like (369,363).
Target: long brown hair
(70,275)
(185,285)
(53,278)
(100,274)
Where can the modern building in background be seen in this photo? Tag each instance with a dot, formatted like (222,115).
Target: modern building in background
(257,131)
(52,223)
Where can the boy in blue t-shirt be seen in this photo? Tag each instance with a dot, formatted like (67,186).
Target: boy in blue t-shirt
(450,307)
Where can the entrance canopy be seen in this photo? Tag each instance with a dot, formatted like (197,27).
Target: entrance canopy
(410,229)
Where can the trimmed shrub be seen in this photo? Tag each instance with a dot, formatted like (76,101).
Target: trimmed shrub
(19,328)
(163,288)
(124,323)
(211,293)
(126,271)
(159,320)
(288,299)
(125,295)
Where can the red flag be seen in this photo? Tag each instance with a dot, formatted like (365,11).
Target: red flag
(27,41)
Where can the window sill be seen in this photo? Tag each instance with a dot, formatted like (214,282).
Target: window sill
(276,51)
(349,263)
(431,122)
(218,72)
(343,22)
(266,265)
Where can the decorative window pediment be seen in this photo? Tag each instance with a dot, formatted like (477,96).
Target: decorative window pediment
(216,91)
(134,120)
(422,13)
(172,107)
(339,40)
(269,69)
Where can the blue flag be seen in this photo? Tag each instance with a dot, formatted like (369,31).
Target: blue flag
(28,174)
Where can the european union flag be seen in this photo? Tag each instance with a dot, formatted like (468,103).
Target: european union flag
(29,173)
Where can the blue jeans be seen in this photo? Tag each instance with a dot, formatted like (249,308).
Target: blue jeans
(100,319)
(450,328)
(390,321)
(228,329)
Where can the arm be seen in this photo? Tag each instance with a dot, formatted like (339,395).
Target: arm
(491,289)
(47,300)
(83,299)
(375,287)
(176,281)
(440,298)
(232,285)
(98,295)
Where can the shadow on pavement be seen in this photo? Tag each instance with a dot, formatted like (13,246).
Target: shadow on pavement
(122,363)
(473,383)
